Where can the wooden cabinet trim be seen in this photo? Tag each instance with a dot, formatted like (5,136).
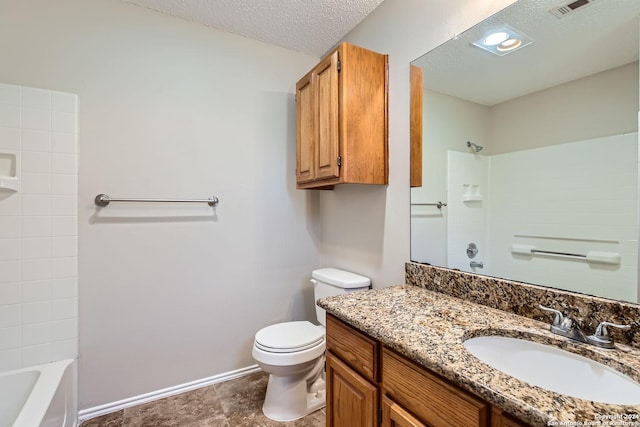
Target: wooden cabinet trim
(394,415)
(415,126)
(357,349)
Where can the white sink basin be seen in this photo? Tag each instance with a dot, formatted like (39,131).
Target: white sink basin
(556,370)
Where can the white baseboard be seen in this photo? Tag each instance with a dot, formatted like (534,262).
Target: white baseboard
(108,408)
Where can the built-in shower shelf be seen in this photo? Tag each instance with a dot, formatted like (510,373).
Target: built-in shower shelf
(9,171)
(472,197)
(10,183)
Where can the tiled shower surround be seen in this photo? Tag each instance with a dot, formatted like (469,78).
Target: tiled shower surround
(38,227)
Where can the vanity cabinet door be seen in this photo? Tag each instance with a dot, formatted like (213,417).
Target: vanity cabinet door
(352,401)
(500,418)
(394,415)
(434,400)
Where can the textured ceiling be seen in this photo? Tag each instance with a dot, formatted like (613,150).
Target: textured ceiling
(309,26)
(594,38)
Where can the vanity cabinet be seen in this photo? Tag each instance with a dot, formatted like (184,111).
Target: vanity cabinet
(352,376)
(342,120)
(369,385)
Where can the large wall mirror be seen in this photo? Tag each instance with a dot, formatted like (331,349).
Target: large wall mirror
(530,143)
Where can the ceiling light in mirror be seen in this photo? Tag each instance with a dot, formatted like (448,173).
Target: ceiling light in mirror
(496,38)
(509,44)
(503,40)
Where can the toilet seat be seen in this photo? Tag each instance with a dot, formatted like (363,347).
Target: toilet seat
(289,337)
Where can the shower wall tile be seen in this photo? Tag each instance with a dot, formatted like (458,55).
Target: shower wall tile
(35,354)
(10,293)
(10,271)
(10,359)
(36,205)
(36,98)
(36,291)
(36,140)
(9,94)
(64,205)
(64,226)
(37,333)
(36,119)
(64,288)
(38,228)
(65,102)
(10,116)
(9,251)
(9,338)
(9,138)
(36,248)
(63,142)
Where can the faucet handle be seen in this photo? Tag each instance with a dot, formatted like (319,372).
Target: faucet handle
(558,319)
(601,337)
(602,333)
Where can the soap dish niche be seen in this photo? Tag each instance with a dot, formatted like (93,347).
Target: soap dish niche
(471,193)
(9,171)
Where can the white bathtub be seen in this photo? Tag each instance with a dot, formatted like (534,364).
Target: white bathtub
(39,396)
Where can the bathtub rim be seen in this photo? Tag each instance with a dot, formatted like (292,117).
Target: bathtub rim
(40,398)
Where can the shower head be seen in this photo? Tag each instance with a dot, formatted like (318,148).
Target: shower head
(475,147)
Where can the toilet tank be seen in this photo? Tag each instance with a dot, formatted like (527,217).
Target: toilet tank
(332,281)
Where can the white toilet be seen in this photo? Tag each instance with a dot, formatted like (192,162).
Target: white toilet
(292,353)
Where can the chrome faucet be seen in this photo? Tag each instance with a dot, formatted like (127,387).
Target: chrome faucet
(567,327)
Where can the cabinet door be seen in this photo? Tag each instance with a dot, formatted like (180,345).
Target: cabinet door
(327,137)
(434,400)
(393,415)
(351,400)
(305,126)
(500,418)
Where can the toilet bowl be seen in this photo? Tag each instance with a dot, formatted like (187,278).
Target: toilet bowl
(292,353)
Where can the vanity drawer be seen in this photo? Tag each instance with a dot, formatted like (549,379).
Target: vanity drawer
(356,349)
(430,398)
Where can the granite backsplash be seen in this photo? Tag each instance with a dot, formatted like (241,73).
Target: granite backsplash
(523,299)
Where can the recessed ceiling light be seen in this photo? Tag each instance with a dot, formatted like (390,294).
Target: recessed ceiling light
(503,40)
(509,44)
(496,38)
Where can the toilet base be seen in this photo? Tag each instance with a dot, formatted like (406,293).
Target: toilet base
(289,398)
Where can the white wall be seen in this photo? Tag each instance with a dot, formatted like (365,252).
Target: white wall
(171,294)
(366,229)
(38,226)
(599,105)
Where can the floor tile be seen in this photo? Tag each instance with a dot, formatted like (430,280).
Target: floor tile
(235,403)
(114,419)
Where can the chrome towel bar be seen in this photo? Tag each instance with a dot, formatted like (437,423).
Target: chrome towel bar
(439,205)
(104,200)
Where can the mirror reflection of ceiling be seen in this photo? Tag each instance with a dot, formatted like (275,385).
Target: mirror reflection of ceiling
(596,37)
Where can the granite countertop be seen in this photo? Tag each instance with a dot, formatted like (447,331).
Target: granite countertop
(429,328)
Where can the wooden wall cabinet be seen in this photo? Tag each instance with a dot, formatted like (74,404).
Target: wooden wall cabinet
(342,120)
(370,385)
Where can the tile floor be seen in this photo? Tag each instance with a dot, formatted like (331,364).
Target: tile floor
(235,403)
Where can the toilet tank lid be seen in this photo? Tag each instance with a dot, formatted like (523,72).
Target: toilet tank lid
(341,278)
